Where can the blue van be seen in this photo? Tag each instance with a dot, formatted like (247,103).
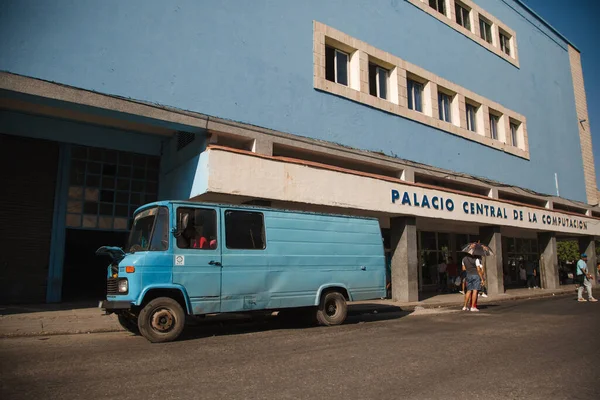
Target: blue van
(190,258)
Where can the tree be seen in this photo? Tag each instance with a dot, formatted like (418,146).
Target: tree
(568,251)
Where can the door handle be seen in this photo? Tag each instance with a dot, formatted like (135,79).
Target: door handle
(216,263)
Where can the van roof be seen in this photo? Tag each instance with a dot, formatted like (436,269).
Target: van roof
(245,206)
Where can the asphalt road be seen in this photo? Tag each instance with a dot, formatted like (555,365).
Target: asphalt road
(536,349)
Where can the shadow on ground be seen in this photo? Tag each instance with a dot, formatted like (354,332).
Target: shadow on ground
(238,324)
(35,308)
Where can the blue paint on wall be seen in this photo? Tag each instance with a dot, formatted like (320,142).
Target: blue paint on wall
(181,170)
(58,234)
(252,62)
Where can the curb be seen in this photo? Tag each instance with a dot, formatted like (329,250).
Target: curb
(359,309)
(392,308)
(59,333)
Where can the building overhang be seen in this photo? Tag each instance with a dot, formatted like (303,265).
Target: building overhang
(238,173)
(34,96)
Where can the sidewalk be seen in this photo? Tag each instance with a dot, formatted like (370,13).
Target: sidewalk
(457,299)
(56,319)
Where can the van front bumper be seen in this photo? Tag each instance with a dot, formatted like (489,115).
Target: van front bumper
(111,306)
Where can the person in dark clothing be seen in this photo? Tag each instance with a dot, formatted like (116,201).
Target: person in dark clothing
(474,273)
(531,272)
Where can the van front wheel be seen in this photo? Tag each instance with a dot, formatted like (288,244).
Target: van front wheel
(128,323)
(161,320)
(332,309)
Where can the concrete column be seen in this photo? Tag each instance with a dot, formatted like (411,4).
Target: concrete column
(491,236)
(263,146)
(408,175)
(548,260)
(587,245)
(403,232)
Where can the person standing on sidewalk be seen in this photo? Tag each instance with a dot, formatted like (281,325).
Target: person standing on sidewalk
(530,270)
(522,275)
(584,279)
(452,272)
(474,279)
(442,276)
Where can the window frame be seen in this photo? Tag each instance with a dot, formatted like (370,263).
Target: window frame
(471,126)
(178,212)
(378,71)
(458,6)
(411,98)
(514,133)
(496,119)
(504,40)
(444,115)
(156,212)
(483,33)
(437,6)
(337,51)
(264,230)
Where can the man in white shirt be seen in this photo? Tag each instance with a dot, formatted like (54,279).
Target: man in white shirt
(584,279)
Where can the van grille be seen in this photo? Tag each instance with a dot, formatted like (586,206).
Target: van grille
(112,286)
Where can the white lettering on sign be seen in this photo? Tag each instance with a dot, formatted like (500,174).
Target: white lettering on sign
(487,210)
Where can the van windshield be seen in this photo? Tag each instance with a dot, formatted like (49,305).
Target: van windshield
(150,231)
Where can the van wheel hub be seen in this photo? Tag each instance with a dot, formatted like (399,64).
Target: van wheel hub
(163,320)
(331,308)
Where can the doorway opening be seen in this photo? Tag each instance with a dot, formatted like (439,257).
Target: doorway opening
(84,273)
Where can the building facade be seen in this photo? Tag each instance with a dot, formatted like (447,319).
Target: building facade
(449,121)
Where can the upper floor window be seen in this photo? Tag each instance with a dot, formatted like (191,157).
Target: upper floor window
(494,120)
(336,65)
(505,43)
(462,15)
(378,81)
(471,117)
(415,95)
(486,30)
(514,134)
(444,107)
(438,5)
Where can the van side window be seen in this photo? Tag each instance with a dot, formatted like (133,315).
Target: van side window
(244,230)
(200,232)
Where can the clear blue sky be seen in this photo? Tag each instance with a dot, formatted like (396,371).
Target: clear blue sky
(577,20)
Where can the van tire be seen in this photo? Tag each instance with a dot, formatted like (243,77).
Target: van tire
(332,310)
(161,320)
(129,323)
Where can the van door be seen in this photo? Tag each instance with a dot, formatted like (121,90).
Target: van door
(246,281)
(197,257)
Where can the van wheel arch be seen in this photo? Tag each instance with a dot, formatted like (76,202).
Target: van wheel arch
(340,289)
(173,293)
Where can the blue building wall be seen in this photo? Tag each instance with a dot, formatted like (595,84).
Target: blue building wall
(181,170)
(252,62)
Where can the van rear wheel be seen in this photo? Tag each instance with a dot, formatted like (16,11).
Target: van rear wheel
(161,320)
(332,309)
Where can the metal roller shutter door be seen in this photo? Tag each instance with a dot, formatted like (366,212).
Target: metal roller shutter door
(28,170)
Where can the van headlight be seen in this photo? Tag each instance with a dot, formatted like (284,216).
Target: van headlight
(123,286)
